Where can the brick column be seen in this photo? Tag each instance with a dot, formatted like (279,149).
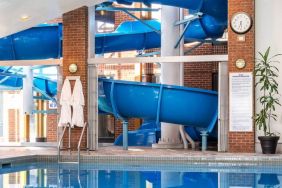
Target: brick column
(51,127)
(75,50)
(241,141)
(14,123)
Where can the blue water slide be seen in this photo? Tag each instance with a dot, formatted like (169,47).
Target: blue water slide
(211,24)
(45,41)
(149,133)
(41,42)
(130,35)
(196,108)
(215,8)
(160,103)
(47,86)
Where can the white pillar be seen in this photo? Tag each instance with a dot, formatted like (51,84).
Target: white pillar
(223,106)
(170,72)
(92,131)
(27,90)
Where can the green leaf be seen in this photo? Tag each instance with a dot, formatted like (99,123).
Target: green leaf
(266,74)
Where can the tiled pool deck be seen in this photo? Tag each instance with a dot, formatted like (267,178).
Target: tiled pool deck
(136,155)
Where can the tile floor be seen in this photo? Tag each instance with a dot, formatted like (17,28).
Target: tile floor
(8,152)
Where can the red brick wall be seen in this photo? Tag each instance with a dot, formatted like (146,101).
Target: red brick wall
(75,47)
(121,17)
(199,75)
(52,122)
(52,119)
(241,141)
(121,72)
(133,124)
(148,68)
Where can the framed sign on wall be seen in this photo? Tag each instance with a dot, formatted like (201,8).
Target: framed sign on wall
(241,102)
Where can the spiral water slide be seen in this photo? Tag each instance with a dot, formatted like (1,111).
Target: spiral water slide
(197,109)
(45,41)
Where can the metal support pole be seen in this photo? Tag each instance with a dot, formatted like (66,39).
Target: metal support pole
(185,29)
(182,133)
(182,35)
(69,139)
(125,134)
(191,141)
(204,135)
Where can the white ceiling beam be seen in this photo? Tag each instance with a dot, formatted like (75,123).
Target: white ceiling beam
(31,62)
(168,59)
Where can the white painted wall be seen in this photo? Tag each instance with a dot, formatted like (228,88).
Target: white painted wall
(268,29)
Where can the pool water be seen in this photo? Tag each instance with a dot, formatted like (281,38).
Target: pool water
(138,176)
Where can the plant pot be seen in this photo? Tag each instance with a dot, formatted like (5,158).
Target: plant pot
(268,144)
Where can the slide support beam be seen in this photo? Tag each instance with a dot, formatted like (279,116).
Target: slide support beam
(125,134)
(194,17)
(135,17)
(204,135)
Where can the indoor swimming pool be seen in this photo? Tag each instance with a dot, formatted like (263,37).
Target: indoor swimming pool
(91,175)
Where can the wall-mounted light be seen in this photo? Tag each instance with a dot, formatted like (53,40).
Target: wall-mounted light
(240,63)
(73,68)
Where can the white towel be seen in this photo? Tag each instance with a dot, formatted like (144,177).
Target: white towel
(65,102)
(77,102)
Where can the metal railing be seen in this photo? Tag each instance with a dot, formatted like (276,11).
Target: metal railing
(60,143)
(79,143)
(69,145)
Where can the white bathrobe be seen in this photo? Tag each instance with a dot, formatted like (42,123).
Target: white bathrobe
(65,102)
(77,105)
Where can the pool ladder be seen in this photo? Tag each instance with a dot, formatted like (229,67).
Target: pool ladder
(69,143)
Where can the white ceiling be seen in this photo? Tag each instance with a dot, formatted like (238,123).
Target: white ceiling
(39,11)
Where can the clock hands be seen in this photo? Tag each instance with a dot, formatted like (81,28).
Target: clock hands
(240,25)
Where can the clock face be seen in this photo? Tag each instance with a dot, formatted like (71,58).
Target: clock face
(241,22)
(240,63)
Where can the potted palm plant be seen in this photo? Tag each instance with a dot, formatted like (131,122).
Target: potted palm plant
(266,74)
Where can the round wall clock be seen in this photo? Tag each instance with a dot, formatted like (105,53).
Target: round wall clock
(241,22)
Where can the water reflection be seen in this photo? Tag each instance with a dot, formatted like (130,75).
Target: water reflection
(91,177)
